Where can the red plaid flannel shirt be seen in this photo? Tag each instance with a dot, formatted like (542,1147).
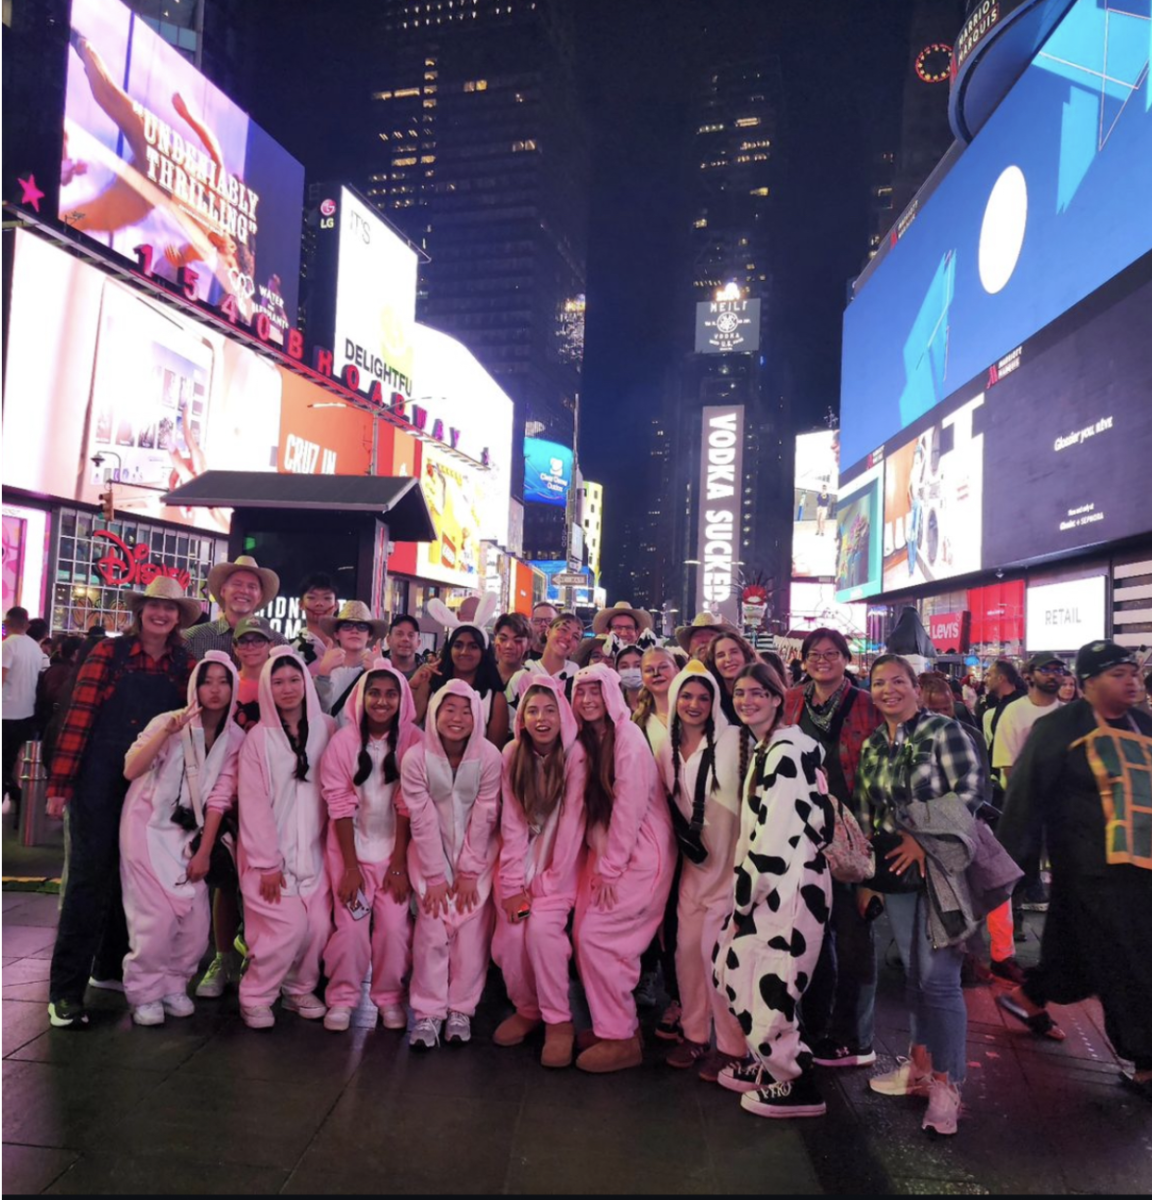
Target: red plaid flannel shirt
(93,687)
(861,723)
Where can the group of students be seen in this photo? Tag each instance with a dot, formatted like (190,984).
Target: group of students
(412,837)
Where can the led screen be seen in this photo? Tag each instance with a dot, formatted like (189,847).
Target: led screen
(814,515)
(1049,202)
(155,154)
(547,472)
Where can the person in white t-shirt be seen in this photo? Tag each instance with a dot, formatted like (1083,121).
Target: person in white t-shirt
(23,661)
(1044,673)
(564,636)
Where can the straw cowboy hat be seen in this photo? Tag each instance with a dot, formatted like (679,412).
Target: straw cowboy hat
(621,608)
(166,588)
(704,620)
(354,611)
(221,572)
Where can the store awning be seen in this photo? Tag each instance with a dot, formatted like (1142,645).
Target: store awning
(396,499)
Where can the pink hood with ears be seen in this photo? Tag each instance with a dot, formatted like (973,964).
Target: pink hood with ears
(432,743)
(319,725)
(224,660)
(527,681)
(609,681)
(408,732)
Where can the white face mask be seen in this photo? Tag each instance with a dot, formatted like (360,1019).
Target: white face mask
(631,677)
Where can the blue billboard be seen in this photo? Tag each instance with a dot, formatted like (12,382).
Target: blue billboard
(547,472)
(1051,200)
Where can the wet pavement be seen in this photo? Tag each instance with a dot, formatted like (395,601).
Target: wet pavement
(205,1105)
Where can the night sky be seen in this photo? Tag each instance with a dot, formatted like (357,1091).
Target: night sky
(843,64)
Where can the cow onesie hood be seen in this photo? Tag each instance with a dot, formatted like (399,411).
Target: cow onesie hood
(168,917)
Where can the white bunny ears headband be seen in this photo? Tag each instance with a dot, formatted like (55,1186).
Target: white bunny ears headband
(485,611)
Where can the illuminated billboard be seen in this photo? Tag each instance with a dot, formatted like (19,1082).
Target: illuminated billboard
(453,496)
(98,369)
(718,511)
(1048,203)
(547,472)
(557,595)
(1066,615)
(375,298)
(814,500)
(156,155)
(728,327)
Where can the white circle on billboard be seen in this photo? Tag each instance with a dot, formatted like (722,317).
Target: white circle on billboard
(1002,233)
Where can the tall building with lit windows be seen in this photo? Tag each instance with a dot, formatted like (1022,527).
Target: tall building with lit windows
(482,160)
(733,168)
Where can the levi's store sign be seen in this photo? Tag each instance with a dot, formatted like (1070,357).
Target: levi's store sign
(949,631)
(718,522)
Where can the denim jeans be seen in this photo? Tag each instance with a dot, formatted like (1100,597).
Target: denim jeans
(935,1001)
(840,1002)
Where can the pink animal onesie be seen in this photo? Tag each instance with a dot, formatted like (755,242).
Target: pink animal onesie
(545,863)
(383,940)
(169,917)
(705,898)
(636,854)
(454,818)
(282,823)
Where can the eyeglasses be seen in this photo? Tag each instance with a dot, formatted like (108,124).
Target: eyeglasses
(823,655)
(252,639)
(357,626)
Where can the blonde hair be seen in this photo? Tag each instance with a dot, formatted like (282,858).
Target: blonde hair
(645,701)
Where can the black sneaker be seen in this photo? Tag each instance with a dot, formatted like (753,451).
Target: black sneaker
(796,1098)
(827,1053)
(1008,969)
(1035,899)
(67,1014)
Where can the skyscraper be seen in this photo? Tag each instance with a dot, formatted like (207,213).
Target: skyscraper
(482,160)
(732,167)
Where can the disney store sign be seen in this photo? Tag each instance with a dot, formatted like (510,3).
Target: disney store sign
(125,565)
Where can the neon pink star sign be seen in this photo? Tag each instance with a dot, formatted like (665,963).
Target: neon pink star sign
(32,194)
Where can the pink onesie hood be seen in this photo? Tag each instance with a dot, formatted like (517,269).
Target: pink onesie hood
(697,672)
(224,660)
(527,681)
(318,723)
(432,743)
(408,732)
(613,693)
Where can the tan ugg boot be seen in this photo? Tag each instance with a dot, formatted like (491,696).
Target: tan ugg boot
(612,1054)
(513,1030)
(558,1041)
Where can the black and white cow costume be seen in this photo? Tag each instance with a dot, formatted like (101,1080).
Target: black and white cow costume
(769,945)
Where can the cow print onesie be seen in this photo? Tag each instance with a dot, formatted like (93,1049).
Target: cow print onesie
(769,945)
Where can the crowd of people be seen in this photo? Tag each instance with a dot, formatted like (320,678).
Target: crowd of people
(342,807)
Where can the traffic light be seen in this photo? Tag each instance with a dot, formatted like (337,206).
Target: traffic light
(108,504)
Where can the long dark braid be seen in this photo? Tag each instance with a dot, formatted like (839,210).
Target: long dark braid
(745,752)
(709,737)
(299,746)
(390,769)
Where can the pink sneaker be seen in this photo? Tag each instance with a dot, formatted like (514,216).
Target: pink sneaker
(943,1107)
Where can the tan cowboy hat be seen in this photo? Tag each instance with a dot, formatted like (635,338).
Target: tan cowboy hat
(269,580)
(358,611)
(166,588)
(704,620)
(621,608)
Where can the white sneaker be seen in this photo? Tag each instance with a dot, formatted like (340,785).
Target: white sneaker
(394,1016)
(458,1028)
(178,1004)
(309,1005)
(338,1019)
(106,985)
(151,1013)
(259,1016)
(425,1034)
(943,1107)
(906,1079)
